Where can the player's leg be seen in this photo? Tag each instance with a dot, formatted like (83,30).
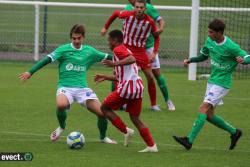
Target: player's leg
(163,87)
(219,122)
(151,88)
(94,106)
(63,101)
(161,82)
(197,126)
(113,102)
(134,107)
(87,98)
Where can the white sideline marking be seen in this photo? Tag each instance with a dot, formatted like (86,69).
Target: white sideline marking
(96,140)
(200,96)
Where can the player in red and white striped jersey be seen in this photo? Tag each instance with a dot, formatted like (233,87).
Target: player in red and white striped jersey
(129,91)
(137,27)
(129,83)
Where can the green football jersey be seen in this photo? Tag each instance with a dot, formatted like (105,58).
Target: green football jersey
(223,60)
(153,13)
(74,63)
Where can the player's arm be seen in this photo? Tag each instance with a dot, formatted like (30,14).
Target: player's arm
(202,57)
(154,14)
(98,56)
(161,27)
(156,39)
(126,61)
(241,55)
(121,14)
(41,63)
(101,77)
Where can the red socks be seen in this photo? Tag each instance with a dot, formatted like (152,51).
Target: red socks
(117,122)
(145,134)
(152,93)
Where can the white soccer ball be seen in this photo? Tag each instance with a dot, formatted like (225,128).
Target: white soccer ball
(75,140)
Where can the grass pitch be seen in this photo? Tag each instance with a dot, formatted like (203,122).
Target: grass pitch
(28,117)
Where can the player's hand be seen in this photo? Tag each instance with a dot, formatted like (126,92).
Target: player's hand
(108,63)
(99,78)
(103,31)
(24,76)
(186,62)
(240,59)
(152,57)
(158,31)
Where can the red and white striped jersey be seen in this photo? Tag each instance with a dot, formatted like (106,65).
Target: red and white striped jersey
(129,82)
(135,31)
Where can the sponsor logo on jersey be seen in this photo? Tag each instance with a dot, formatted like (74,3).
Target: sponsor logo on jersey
(220,65)
(71,67)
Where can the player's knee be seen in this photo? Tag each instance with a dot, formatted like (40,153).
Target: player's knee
(104,109)
(204,108)
(62,106)
(156,72)
(209,117)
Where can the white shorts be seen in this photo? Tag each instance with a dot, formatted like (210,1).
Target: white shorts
(156,63)
(214,94)
(78,95)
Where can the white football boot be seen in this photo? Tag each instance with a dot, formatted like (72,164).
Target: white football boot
(128,136)
(155,108)
(152,149)
(107,140)
(54,136)
(170,105)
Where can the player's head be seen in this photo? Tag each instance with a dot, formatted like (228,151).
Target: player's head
(115,38)
(140,7)
(216,29)
(77,34)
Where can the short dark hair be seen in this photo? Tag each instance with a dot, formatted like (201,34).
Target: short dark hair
(116,34)
(217,25)
(77,29)
(141,1)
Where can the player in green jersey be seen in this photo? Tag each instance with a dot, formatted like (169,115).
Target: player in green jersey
(155,63)
(224,55)
(74,60)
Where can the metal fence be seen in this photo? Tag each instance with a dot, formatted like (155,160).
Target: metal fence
(32,29)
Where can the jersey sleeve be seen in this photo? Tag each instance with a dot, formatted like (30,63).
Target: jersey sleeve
(122,52)
(156,37)
(153,13)
(237,51)
(98,55)
(56,54)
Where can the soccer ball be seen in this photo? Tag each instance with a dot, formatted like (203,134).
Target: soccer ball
(75,140)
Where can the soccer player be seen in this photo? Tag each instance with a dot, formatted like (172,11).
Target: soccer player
(155,65)
(74,60)
(137,27)
(129,91)
(224,54)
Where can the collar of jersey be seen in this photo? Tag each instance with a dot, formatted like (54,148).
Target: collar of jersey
(224,41)
(74,47)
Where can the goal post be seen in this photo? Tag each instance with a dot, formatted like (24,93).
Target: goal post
(193,44)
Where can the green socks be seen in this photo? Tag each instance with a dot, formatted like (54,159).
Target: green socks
(198,124)
(221,123)
(102,124)
(163,86)
(61,116)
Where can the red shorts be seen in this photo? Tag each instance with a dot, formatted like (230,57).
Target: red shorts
(141,56)
(114,101)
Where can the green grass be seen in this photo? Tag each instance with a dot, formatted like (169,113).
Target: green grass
(28,117)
